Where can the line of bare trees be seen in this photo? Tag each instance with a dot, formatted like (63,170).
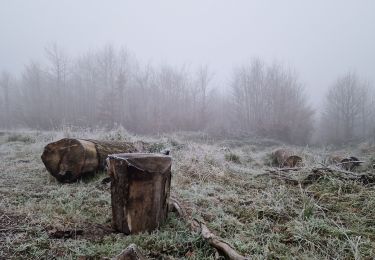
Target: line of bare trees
(104,89)
(269,100)
(109,88)
(349,111)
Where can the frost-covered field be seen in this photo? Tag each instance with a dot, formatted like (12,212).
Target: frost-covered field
(224,183)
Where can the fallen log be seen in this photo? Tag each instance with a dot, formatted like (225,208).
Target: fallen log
(366,178)
(350,163)
(346,163)
(139,191)
(222,247)
(286,158)
(70,159)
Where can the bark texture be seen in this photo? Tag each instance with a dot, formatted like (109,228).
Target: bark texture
(70,159)
(286,158)
(139,190)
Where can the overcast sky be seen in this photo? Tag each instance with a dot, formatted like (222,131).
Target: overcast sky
(321,39)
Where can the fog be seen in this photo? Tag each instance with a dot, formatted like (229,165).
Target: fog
(318,42)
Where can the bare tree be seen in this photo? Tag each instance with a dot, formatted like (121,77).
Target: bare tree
(347,113)
(269,101)
(5,86)
(57,72)
(105,88)
(204,77)
(35,97)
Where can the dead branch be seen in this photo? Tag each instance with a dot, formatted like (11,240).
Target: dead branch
(130,253)
(175,206)
(336,170)
(65,233)
(15,230)
(319,172)
(347,162)
(286,169)
(216,242)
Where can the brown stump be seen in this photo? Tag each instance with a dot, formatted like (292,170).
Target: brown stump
(285,158)
(139,190)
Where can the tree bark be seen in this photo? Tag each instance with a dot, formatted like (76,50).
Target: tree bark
(286,158)
(139,190)
(70,159)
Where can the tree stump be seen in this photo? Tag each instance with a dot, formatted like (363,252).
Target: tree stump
(139,190)
(286,158)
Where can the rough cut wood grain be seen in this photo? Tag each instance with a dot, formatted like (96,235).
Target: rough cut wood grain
(139,190)
(70,159)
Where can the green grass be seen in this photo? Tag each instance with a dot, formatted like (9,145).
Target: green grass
(260,216)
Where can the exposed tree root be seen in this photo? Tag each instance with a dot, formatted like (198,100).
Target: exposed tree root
(130,253)
(216,242)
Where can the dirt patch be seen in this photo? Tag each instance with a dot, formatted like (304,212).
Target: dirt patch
(88,231)
(11,222)
(12,227)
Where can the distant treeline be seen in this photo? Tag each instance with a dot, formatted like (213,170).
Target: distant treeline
(109,88)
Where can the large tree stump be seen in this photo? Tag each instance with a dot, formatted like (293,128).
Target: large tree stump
(70,159)
(139,190)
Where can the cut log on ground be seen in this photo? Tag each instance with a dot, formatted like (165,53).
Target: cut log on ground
(70,159)
(139,191)
(222,247)
(286,158)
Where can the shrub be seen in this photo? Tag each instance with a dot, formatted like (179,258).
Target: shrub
(232,157)
(20,138)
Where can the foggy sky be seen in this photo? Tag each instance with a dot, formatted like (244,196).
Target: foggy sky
(320,39)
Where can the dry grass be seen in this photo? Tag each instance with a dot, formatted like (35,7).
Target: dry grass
(222,181)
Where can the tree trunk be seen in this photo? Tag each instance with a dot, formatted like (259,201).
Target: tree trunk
(70,159)
(139,190)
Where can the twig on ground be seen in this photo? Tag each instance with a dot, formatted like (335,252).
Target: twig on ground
(317,173)
(216,242)
(130,253)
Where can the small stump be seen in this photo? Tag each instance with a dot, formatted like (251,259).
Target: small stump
(139,190)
